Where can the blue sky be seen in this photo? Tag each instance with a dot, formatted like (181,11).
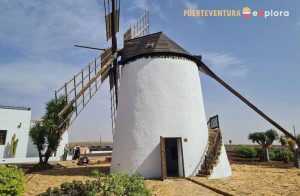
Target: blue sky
(258,57)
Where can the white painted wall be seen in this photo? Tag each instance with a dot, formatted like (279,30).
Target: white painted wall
(9,120)
(158,97)
(26,151)
(32,151)
(222,169)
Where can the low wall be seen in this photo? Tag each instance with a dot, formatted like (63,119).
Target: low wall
(29,160)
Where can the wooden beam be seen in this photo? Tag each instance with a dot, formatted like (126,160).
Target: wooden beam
(206,70)
(88,85)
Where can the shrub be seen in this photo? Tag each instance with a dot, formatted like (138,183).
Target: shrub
(282,155)
(259,152)
(246,151)
(271,155)
(110,184)
(11,181)
(76,188)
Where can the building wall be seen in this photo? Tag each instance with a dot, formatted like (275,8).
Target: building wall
(32,151)
(26,151)
(9,120)
(158,97)
(222,169)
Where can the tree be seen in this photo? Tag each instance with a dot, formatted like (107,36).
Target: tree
(37,134)
(292,145)
(265,140)
(46,135)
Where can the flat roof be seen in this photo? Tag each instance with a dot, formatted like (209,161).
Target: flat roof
(14,108)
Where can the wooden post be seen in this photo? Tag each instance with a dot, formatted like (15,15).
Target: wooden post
(114,46)
(90,80)
(66,92)
(96,73)
(82,86)
(75,93)
(163,158)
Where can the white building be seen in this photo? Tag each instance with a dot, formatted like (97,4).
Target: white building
(161,128)
(17,121)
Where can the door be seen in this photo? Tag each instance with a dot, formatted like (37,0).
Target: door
(172,157)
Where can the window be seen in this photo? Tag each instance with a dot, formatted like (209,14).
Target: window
(3,137)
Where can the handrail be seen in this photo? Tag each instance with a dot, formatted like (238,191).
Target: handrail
(213,122)
(213,151)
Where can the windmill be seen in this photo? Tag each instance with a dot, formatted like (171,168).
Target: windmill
(79,90)
(157,109)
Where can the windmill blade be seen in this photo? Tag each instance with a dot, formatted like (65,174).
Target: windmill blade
(203,68)
(82,87)
(112,15)
(140,28)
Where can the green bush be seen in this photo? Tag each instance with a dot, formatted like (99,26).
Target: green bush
(110,184)
(271,155)
(281,155)
(11,181)
(246,151)
(259,152)
(76,188)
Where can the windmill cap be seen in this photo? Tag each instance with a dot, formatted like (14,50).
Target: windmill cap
(153,45)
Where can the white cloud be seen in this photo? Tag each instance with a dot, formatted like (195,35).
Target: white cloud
(226,64)
(44,32)
(42,27)
(33,78)
(146,5)
(139,4)
(190,5)
(193,6)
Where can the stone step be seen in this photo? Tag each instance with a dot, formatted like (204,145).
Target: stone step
(211,163)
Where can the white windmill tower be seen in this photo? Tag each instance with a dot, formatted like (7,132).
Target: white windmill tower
(161,125)
(160,128)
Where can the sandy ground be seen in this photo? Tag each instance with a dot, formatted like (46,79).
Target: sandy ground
(246,180)
(177,187)
(258,180)
(38,182)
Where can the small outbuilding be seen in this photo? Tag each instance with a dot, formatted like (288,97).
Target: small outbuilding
(15,143)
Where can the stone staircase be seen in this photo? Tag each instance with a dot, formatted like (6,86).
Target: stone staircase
(213,152)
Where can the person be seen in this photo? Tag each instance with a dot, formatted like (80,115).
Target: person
(66,152)
(76,152)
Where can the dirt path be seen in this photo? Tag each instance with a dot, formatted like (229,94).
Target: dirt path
(37,183)
(246,180)
(68,171)
(177,187)
(257,180)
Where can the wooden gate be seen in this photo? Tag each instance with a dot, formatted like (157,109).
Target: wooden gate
(163,158)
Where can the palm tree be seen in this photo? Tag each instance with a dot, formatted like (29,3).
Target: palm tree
(265,140)
(54,125)
(46,135)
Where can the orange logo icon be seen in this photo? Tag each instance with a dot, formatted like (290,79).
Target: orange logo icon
(246,12)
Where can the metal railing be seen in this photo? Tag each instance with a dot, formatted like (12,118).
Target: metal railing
(213,122)
(14,107)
